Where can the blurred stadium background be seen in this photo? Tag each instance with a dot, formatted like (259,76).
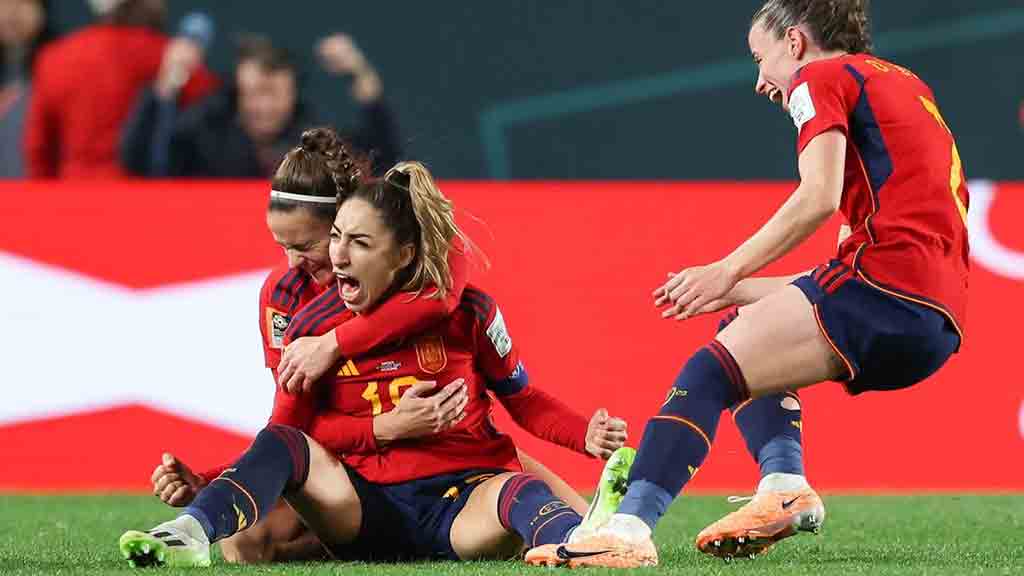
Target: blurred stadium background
(598,145)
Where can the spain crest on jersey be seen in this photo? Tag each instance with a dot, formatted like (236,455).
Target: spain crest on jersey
(431,355)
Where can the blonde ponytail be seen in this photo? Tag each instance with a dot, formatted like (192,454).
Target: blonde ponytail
(435,216)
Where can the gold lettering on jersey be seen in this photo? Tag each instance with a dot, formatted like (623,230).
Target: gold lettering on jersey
(431,355)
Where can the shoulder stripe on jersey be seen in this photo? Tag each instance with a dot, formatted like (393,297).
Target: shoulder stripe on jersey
(327,315)
(284,286)
(867,137)
(469,306)
(311,311)
(297,292)
(480,298)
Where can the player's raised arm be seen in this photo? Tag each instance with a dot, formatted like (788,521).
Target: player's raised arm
(814,201)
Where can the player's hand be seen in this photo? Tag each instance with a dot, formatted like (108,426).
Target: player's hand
(174,483)
(717,304)
(340,56)
(305,360)
(605,434)
(418,414)
(687,293)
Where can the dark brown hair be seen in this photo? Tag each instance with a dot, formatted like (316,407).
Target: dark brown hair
(259,49)
(146,13)
(412,206)
(322,165)
(833,24)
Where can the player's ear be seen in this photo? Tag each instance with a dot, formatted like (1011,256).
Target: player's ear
(796,42)
(406,254)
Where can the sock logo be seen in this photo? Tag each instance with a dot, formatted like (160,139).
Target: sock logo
(693,470)
(674,393)
(551,507)
(798,424)
(242,522)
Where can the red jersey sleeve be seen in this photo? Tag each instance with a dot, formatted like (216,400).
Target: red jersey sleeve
(497,358)
(343,434)
(821,98)
(281,296)
(401,314)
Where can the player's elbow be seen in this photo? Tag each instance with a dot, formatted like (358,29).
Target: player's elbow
(820,199)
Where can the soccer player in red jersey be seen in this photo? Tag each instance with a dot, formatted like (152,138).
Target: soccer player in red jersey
(452,489)
(884,314)
(302,227)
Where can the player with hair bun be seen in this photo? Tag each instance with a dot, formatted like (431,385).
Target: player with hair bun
(395,456)
(885,313)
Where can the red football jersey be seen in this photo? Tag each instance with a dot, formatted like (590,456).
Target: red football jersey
(473,344)
(904,194)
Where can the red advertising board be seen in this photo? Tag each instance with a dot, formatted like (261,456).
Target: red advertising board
(130,328)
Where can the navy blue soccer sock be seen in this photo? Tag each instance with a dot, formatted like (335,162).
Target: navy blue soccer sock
(678,438)
(527,507)
(276,462)
(771,427)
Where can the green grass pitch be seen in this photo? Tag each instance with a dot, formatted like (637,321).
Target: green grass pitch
(871,535)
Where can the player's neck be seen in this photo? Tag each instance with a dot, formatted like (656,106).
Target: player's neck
(814,55)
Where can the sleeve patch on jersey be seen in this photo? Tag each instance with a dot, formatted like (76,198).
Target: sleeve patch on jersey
(801,107)
(499,334)
(277,324)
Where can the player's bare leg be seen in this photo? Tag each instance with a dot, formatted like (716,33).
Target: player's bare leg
(773,346)
(506,511)
(477,532)
(280,537)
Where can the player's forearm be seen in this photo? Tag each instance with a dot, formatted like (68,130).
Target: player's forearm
(802,213)
(344,434)
(547,418)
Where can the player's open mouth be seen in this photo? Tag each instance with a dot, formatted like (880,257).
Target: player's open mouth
(348,287)
(775,95)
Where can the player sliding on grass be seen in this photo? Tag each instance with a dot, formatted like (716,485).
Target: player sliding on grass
(456,493)
(300,214)
(885,314)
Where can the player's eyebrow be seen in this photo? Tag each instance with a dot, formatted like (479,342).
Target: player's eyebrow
(335,228)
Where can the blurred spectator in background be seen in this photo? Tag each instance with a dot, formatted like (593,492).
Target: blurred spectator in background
(84,87)
(245,129)
(24,28)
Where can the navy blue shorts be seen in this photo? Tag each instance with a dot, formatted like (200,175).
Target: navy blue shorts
(887,342)
(412,520)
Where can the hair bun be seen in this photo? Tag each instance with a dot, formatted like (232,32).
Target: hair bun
(321,141)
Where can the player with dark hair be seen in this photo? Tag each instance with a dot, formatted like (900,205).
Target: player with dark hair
(450,486)
(884,314)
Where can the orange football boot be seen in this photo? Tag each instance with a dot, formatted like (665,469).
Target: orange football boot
(602,550)
(767,518)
